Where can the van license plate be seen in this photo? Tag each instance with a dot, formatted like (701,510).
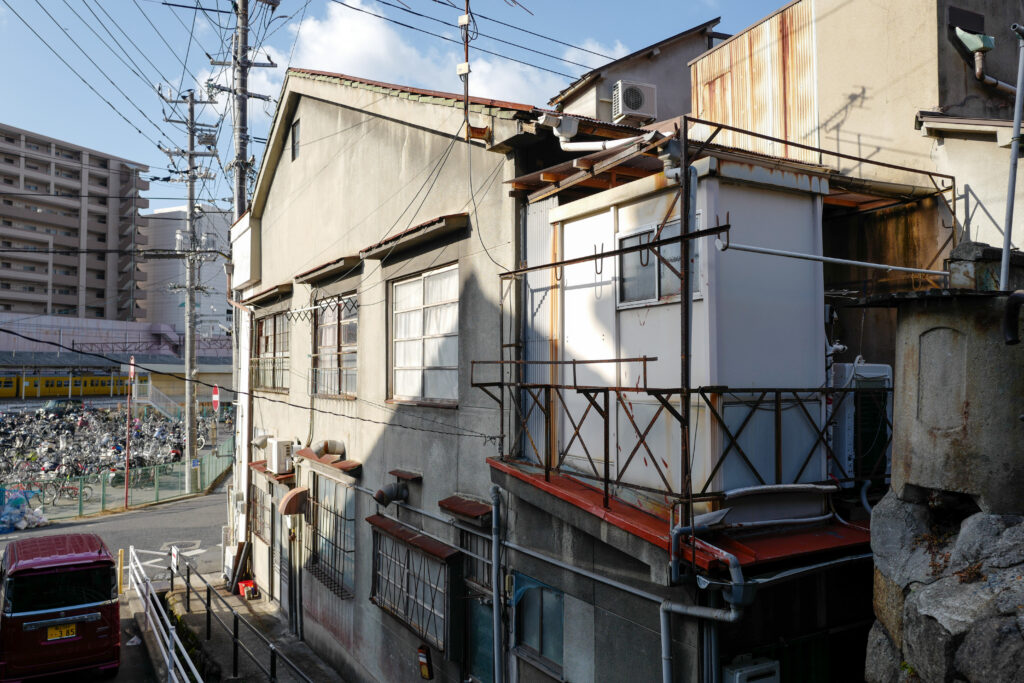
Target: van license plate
(60,632)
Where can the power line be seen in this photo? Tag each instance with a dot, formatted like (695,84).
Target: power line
(484,35)
(101,70)
(466,432)
(74,71)
(532,33)
(452,40)
(164,41)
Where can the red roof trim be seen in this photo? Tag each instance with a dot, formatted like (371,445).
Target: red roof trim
(783,544)
(515,106)
(464,507)
(412,537)
(261,467)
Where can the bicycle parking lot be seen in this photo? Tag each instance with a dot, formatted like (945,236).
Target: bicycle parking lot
(71,463)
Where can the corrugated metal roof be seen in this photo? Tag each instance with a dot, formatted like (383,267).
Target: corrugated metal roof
(354,80)
(762,80)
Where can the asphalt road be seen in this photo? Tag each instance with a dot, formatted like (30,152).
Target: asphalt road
(194,525)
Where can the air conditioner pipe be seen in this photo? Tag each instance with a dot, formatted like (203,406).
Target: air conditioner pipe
(735,571)
(330,446)
(598,145)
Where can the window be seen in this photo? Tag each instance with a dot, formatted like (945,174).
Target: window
(295,140)
(330,535)
(334,358)
(538,617)
(259,512)
(643,277)
(411,578)
(270,355)
(425,336)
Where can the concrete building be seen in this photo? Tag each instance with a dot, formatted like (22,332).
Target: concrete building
(659,71)
(55,194)
(165,300)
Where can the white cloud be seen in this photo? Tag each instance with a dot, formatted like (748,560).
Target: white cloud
(357,44)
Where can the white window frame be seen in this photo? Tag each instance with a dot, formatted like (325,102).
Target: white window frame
(695,259)
(424,367)
(344,305)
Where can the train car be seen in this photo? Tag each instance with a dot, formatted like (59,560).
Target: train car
(49,386)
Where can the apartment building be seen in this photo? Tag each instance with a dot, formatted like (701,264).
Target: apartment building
(54,195)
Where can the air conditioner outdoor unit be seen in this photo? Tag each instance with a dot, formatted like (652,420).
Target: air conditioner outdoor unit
(279,460)
(634,103)
(861,420)
(752,671)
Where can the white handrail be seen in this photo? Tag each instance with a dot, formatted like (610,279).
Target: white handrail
(171,648)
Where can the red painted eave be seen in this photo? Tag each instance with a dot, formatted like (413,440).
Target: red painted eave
(772,545)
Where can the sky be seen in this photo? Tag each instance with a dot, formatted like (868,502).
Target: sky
(101,92)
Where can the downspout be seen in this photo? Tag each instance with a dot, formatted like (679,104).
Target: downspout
(496,592)
(730,615)
(979,73)
(1012,318)
(1004,268)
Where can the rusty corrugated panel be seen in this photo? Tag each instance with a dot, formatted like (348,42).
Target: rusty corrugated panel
(762,80)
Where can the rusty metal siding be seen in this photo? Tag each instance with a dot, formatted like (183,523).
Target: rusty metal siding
(762,80)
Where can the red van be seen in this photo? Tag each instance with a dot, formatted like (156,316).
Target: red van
(60,610)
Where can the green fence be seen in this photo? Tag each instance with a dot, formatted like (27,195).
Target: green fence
(95,493)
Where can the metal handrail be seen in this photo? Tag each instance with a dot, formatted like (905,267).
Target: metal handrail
(176,659)
(237,620)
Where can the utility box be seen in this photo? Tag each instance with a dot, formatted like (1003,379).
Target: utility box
(862,420)
(279,461)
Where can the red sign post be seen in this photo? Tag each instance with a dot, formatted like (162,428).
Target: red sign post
(128,435)
(216,398)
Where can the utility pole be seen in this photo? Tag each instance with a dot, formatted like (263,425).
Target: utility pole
(240,65)
(188,248)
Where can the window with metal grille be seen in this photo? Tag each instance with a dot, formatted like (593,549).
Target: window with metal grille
(425,336)
(412,585)
(330,535)
(334,357)
(269,363)
(295,140)
(259,512)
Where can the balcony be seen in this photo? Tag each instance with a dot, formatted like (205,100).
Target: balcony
(763,482)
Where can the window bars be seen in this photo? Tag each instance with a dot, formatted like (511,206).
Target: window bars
(330,536)
(412,586)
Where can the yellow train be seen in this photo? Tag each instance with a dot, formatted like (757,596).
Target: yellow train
(39,386)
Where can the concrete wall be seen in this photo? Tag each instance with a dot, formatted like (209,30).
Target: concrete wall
(667,71)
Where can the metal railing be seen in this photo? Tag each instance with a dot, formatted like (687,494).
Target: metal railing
(234,629)
(176,659)
(149,395)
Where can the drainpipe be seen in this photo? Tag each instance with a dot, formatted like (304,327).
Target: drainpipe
(496,591)
(730,615)
(1018,104)
(979,73)
(1012,318)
